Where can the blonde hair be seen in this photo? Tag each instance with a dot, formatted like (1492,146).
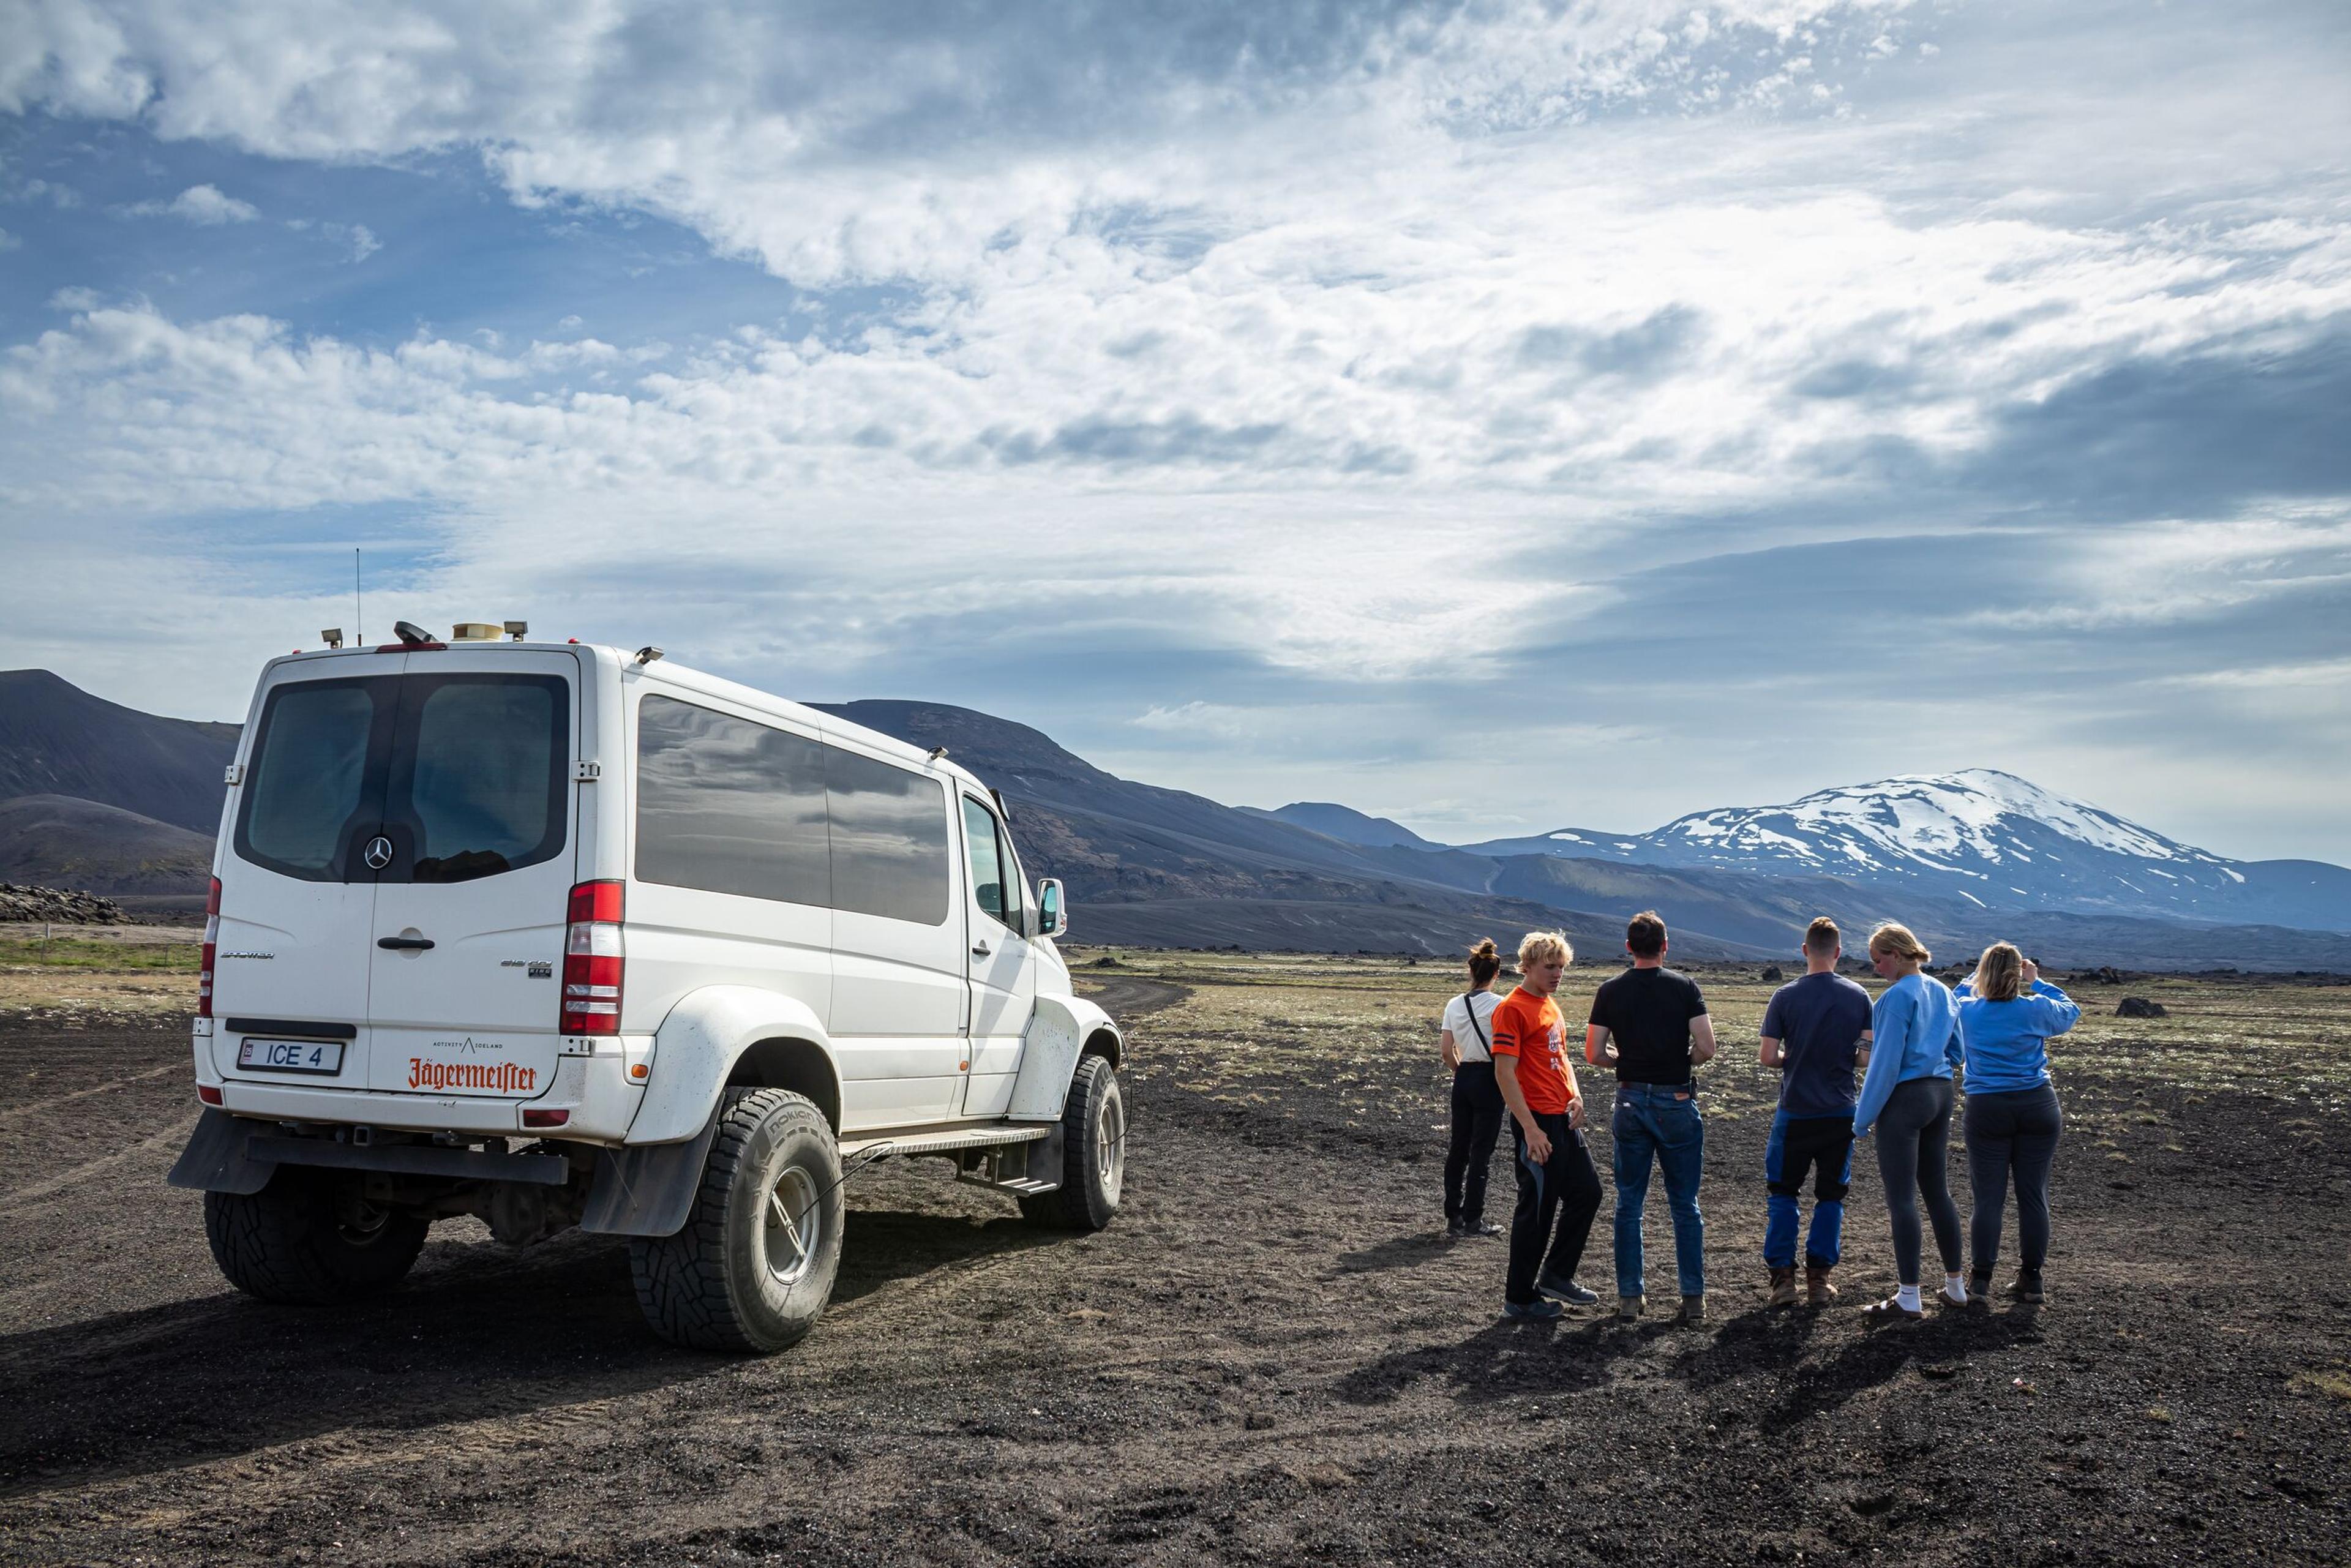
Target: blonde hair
(1999,973)
(1538,946)
(1897,940)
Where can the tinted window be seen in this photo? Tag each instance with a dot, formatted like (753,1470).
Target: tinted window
(730,806)
(477,773)
(889,838)
(987,865)
(310,778)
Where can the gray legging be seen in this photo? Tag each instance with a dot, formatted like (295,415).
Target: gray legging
(1914,1146)
(2011,1132)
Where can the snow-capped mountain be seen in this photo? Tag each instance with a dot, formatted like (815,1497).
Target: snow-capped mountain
(1991,838)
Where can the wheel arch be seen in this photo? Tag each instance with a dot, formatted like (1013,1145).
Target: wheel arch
(722,1036)
(1061,1031)
(792,1062)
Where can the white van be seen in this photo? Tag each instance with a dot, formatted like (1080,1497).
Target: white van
(558,934)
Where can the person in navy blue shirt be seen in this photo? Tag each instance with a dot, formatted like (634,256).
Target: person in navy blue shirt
(1815,1032)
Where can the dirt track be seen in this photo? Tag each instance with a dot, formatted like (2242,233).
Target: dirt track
(1269,1357)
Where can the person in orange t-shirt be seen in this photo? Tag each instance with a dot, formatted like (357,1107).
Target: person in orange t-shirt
(1556,1178)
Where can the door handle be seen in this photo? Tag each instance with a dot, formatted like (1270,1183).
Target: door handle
(405,943)
(979,949)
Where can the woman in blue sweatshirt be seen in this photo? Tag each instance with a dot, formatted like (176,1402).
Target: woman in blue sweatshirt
(1907,1096)
(2007,1013)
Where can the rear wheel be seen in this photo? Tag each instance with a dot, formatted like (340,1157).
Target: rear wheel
(752,1266)
(310,1236)
(1093,1153)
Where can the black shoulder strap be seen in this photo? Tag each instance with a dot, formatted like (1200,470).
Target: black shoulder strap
(1470,1005)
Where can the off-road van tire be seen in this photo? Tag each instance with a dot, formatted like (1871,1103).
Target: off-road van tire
(299,1240)
(712,1286)
(1089,1193)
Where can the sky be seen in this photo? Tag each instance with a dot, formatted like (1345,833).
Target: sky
(1497,416)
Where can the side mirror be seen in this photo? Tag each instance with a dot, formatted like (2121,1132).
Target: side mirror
(1052,910)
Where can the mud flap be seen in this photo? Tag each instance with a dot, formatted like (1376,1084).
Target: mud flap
(1045,1160)
(215,1158)
(647,1189)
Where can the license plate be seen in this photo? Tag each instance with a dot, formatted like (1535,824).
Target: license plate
(292,1055)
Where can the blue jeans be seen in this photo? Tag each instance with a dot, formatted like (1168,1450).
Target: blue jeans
(1823,1145)
(1659,1121)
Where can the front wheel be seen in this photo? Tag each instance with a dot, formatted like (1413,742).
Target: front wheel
(1093,1153)
(310,1236)
(752,1266)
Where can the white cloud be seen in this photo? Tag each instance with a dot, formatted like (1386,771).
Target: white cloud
(1348,346)
(9,241)
(199,205)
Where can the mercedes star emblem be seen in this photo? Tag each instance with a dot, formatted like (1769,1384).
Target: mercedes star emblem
(378,852)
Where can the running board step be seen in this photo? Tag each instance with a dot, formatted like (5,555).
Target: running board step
(945,1142)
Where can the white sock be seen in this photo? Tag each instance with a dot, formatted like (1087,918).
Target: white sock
(1955,1288)
(1909,1296)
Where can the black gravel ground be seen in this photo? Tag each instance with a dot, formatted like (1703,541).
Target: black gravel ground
(1270,1356)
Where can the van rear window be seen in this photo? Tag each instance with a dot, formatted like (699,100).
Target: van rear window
(458,776)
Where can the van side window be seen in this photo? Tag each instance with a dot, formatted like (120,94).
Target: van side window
(729,806)
(726,805)
(986,866)
(995,873)
(889,838)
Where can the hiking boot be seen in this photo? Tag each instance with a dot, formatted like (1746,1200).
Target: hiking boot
(1818,1292)
(1567,1291)
(1455,1230)
(1691,1313)
(1979,1290)
(1784,1287)
(1629,1308)
(1479,1230)
(1537,1310)
(2026,1287)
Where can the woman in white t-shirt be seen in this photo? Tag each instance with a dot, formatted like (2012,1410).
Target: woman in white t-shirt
(1466,1041)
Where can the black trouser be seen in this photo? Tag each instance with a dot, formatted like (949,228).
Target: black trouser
(1477,1112)
(1565,1185)
(1913,1150)
(2013,1131)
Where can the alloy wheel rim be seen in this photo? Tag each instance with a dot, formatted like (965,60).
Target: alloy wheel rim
(791,1229)
(1110,1144)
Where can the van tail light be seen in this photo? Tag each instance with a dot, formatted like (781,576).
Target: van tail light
(209,1093)
(546,1118)
(212,950)
(593,961)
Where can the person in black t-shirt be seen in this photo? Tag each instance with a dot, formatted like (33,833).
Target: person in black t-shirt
(1650,1024)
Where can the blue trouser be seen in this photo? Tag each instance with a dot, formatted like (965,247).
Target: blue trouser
(1823,1145)
(1660,1122)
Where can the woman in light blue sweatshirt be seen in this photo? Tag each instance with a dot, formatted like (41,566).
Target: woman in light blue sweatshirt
(2007,1013)
(1907,1096)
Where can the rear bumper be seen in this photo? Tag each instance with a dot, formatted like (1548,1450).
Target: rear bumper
(595,1090)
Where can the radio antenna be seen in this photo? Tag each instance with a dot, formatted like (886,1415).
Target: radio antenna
(358,609)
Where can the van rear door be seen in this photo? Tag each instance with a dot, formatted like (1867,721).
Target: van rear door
(297,905)
(466,949)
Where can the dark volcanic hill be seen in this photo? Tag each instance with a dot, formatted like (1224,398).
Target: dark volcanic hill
(57,739)
(1151,865)
(56,840)
(1346,824)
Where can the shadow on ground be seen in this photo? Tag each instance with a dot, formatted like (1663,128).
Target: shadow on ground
(475,1332)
